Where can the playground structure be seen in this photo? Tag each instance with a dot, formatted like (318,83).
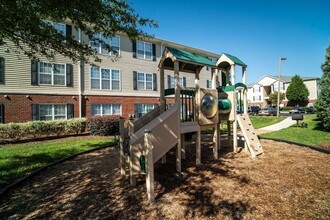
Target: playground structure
(147,140)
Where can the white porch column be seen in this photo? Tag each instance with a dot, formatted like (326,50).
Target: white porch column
(161,90)
(214,78)
(177,101)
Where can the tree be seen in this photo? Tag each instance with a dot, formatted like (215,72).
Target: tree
(273,97)
(322,104)
(297,90)
(22,22)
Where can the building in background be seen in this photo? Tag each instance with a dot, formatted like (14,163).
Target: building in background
(258,92)
(123,84)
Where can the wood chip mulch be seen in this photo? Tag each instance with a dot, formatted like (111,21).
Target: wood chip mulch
(287,182)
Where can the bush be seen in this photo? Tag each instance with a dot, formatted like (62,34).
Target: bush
(103,125)
(15,131)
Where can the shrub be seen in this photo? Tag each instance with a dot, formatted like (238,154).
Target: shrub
(103,125)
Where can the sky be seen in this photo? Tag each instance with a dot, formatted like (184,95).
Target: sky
(259,32)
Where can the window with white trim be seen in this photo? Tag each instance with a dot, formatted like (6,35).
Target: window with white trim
(142,109)
(61,28)
(144,81)
(104,79)
(257,98)
(105,109)
(52,112)
(52,74)
(144,50)
(276,86)
(171,81)
(113,42)
(256,89)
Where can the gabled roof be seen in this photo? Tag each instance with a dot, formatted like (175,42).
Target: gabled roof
(188,61)
(288,78)
(226,60)
(191,57)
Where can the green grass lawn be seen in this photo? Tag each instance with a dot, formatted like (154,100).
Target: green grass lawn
(313,135)
(263,121)
(18,161)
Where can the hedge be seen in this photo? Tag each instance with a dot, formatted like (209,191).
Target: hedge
(103,125)
(34,129)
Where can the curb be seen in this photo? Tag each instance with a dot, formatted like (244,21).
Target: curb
(19,181)
(299,144)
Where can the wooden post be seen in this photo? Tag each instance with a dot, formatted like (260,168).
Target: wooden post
(132,152)
(220,77)
(245,91)
(214,78)
(162,99)
(198,135)
(149,167)
(233,79)
(216,140)
(121,144)
(177,101)
(183,147)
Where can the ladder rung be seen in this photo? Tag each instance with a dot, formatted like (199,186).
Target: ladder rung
(253,133)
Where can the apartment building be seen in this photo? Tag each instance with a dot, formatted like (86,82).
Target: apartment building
(258,92)
(123,84)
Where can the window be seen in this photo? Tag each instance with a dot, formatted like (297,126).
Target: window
(144,50)
(142,109)
(113,42)
(182,81)
(208,84)
(256,89)
(105,109)
(1,114)
(144,81)
(257,98)
(105,79)
(61,28)
(2,70)
(282,87)
(52,74)
(49,112)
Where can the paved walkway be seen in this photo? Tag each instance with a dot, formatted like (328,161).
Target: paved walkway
(276,127)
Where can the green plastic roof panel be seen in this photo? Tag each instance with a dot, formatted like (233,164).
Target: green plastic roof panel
(235,59)
(191,57)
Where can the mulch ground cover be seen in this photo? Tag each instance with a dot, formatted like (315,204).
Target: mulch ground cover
(287,182)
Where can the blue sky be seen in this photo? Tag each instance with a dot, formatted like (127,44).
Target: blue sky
(259,32)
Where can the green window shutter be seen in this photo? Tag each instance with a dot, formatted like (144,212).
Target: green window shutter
(35,112)
(68,30)
(134,80)
(154,52)
(69,111)
(154,77)
(69,75)
(2,70)
(34,73)
(134,49)
(2,112)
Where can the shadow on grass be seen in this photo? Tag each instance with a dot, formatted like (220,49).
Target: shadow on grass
(319,126)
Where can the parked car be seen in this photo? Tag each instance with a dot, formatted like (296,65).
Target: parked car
(310,110)
(297,110)
(253,110)
(268,111)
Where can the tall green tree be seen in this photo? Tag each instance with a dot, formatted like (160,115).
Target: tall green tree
(322,105)
(22,22)
(297,90)
(273,97)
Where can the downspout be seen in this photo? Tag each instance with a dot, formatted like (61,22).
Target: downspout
(79,77)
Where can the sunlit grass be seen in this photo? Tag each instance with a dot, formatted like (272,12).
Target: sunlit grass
(263,121)
(18,161)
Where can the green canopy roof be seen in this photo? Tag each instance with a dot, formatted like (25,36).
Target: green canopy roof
(191,57)
(235,59)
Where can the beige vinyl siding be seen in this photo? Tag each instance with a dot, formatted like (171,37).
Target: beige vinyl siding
(311,86)
(18,75)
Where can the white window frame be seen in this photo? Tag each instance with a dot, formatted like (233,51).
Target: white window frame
(100,78)
(281,86)
(52,74)
(172,81)
(144,109)
(100,50)
(144,56)
(101,109)
(53,112)
(144,81)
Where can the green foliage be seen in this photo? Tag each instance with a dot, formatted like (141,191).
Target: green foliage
(18,161)
(297,90)
(322,104)
(15,131)
(273,97)
(105,125)
(22,22)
